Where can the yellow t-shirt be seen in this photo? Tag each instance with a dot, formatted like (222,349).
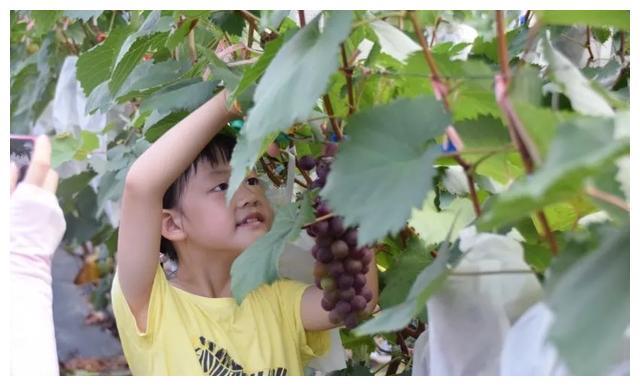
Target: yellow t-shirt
(189,334)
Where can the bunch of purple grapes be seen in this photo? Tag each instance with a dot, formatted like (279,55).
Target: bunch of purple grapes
(340,265)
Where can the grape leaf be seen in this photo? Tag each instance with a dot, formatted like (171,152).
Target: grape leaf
(297,76)
(94,66)
(44,21)
(390,166)
(398,279)
(252,74)
(158,124)
(125,64)
(575,86)
(599,18)
(258,264)
(148,75)
(581,148)
(184,95)
(591,305)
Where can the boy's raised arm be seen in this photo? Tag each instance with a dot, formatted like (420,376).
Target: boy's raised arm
(147,180)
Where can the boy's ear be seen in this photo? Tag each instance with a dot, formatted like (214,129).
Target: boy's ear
(172,225)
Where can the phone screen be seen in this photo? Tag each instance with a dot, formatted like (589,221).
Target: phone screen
(21,148)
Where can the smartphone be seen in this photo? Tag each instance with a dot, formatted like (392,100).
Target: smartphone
(21,150)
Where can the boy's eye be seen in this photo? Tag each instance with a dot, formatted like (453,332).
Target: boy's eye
(220,188)
(253,181)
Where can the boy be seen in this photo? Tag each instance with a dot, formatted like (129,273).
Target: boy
(190,324)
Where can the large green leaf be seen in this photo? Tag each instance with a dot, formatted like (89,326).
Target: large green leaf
(427,282)
(298,75)
(595,18)
(385,167)
(157,124)
(398,279)
(584,99)
(44,20)
(258,264)
(94,66)
(581,148)
(252,74)
(148,75)
(184,95)
(591,305)
(125,64)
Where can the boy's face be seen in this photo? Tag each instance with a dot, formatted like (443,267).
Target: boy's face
(210,224)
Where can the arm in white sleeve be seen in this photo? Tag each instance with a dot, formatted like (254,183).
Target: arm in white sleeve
(36,228)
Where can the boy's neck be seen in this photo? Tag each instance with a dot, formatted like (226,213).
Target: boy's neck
(204,274)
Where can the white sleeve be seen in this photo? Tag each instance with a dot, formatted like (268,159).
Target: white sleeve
(36,227)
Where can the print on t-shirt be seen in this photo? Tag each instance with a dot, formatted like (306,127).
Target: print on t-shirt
(215,360)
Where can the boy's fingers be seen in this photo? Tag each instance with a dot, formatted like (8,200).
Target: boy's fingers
(13,176)
(40,162)
(51,182)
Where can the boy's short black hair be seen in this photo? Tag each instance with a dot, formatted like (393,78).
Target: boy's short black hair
(217,151)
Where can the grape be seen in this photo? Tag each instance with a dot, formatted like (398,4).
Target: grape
(358,303)
(322,210)
(320,228)
(345,282)
(322,169)
(336,227)
(342,308)
(353,266)
(351,321)
(340,249)
(324,241)
(335,317)
(310,232)
(347,294)
(307,162)
(351,237)
(327,304)
(367,294)
(359,281)
(328,283)
(332,296)
(336,268)
(367,257)
(324,255)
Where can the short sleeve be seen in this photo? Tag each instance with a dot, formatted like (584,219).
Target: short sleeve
(312,344)
(126,321)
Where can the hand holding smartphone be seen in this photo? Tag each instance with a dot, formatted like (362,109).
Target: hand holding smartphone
(31,162)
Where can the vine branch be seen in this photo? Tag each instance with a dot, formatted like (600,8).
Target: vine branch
(303,21)
(518,133)
(607,197)
(441,91)
(271,173)
(348,74)
(334,124)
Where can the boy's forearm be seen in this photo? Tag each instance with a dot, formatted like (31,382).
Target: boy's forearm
(160,165)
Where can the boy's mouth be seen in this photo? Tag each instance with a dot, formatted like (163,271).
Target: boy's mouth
(251,218)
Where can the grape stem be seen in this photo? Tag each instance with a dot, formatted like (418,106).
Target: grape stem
(441,91)
(607,197)
(348,73)
(270,172)
(319,219)
(517,131)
